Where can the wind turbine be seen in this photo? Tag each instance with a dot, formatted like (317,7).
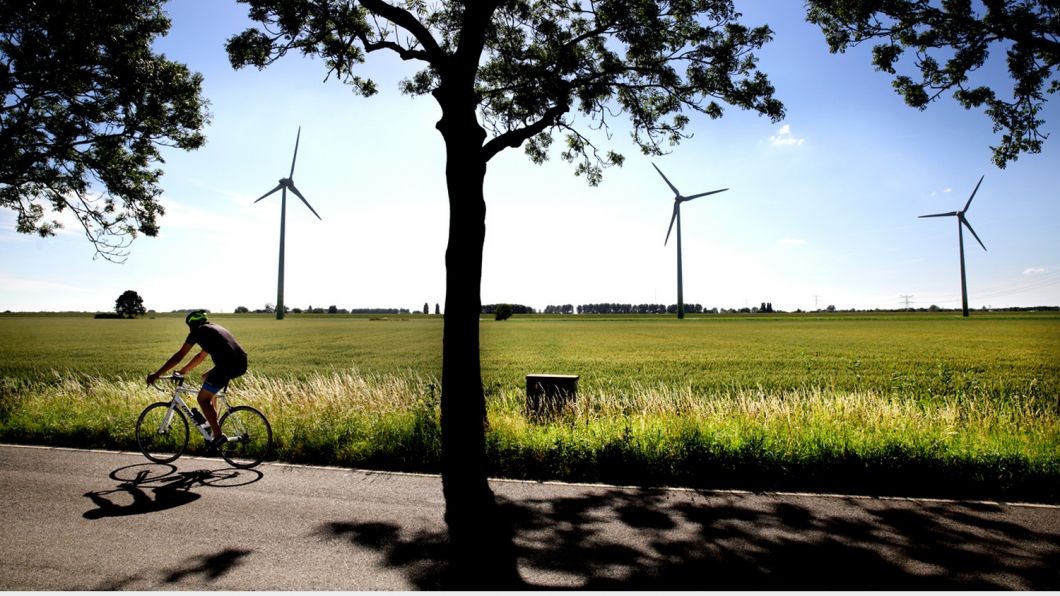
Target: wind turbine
(961,221)
(286,183)
(678,199)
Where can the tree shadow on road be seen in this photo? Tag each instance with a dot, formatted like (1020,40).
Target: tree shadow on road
(649,539)
(422,555)
(605,539)
(206,568)
(210,567)
(169,488)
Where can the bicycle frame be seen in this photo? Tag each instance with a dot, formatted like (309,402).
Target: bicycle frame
(176,401)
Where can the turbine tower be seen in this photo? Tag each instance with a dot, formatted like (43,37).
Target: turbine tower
(678,199)
(961,221)
(286,183)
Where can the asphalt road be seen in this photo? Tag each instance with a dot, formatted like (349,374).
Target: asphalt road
(72,520)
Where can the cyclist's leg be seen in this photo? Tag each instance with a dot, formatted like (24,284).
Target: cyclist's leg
(217,380)
(208,403)
(214,382)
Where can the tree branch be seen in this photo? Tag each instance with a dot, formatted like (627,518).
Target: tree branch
(402,52)
(431,53)
(515,138)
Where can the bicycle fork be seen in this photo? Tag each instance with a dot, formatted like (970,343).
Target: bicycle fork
(167,420)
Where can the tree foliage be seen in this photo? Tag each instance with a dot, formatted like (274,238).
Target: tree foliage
(86,106)
(1028,31)
(543,63)
(130,304)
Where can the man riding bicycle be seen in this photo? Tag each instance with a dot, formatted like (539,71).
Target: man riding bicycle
(229,358)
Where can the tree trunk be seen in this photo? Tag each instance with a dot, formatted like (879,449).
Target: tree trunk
(481,551)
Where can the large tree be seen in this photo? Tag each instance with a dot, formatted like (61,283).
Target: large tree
(130,304)
(511,73)
(1028,31)
(86,105)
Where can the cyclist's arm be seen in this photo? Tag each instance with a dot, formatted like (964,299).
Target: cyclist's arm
(196,361)
(173,361)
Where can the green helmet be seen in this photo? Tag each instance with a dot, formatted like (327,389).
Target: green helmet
(197,318)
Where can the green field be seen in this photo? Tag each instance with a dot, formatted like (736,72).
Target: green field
(886,404)
(990,356)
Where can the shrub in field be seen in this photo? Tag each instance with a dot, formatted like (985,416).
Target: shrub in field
(503,312)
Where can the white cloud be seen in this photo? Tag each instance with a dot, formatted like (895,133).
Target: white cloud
(790,241)
(29,285)
(784,137)
(1034,270)
(935,193)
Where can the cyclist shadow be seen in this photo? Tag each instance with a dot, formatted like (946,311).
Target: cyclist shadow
(168,487)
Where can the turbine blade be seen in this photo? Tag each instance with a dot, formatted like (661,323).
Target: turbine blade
(296,139)
(703,194)
(969,226)
(672,220)
(270,192)
(973,195)
(295,191)
(951,213)
(672,187)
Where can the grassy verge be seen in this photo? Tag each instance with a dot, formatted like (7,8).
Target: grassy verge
(809,439)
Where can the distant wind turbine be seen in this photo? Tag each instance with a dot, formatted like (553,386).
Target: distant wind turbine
(678,199)
(286,183)
(961,221)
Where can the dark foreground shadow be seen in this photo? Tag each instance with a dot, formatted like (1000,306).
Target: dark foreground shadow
(198,571)
(421,556)
(168,487)
(607,539)
(209,567)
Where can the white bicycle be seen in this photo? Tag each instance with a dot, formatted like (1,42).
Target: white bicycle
(162,430)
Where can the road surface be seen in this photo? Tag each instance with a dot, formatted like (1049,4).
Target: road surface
(93,520)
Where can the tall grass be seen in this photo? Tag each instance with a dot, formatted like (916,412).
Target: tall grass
(342,418)
(814,439)
(918,442)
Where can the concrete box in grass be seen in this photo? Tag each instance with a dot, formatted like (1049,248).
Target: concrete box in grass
(548,395)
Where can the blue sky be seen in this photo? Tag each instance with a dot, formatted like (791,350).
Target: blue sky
(822,207)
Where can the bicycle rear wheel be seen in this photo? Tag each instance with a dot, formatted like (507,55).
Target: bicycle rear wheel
(249,437)
(161,432)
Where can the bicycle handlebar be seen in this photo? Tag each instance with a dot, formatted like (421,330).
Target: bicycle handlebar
(179,378)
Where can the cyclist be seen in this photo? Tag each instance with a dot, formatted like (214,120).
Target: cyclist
(229,358)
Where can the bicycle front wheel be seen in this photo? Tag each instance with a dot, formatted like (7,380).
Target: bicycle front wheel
(162,432)
(249,437)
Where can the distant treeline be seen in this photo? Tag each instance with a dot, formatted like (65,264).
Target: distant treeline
(610,308)
(607,308)
(1027,308)
(379,311)
(564,309)
(331,310)
(934,308)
